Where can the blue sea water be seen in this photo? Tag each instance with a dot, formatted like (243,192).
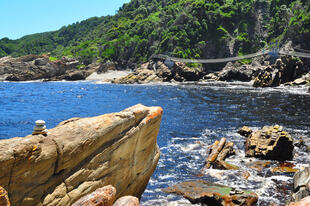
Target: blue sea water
(194,117)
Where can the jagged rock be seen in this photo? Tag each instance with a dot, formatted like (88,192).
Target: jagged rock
(218,153)
(104,196)
(184,73)
(212,194)
(81,155)
(4,198)
(270,143)
(127,201)
(301,181)
(284,70)
(241,73)
(245,131)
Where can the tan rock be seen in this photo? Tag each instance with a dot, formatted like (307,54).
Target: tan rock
(81,155)
(104,196)
(271,142)
(127,201)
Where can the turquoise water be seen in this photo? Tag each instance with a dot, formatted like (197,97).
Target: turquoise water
(194,116)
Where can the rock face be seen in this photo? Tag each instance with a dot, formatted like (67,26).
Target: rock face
(301,184)
(81,155)
(104,196)
(4,198)
(286,69)
(271,142)
(213,194)
(34,67)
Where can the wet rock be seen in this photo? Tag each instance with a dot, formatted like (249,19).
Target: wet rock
(4,197)
(104,196)
(301,181)
(270,143)
(219,151)
(258,165)
(127,201)
(212,194)
(303,202)
(284,167)
(81,155)
(245,131)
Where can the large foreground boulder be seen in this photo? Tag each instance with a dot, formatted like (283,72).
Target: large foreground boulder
(81,155)
(271,142)
(209,193)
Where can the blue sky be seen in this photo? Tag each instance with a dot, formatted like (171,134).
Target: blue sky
(23,17)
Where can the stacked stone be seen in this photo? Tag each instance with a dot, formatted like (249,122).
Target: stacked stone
(40,128)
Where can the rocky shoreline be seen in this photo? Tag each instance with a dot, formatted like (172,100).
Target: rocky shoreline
(269,145)
(260,72)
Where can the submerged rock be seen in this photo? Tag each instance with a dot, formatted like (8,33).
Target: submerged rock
(81,155)
(104,196)
(284,167)
(4,197)
(270,143)
(209,193)
(301,184)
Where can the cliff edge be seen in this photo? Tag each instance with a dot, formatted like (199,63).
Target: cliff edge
(80,155)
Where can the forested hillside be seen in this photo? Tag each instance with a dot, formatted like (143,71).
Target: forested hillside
(183,28)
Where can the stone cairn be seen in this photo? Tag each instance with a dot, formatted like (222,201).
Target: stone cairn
(40,128)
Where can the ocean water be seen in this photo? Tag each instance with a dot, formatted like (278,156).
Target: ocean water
(194,117)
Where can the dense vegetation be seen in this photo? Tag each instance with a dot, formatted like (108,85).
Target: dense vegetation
(183,28)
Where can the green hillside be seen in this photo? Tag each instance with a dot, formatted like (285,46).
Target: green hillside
(183,28)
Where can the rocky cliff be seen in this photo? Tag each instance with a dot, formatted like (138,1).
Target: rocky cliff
(80,155)
(35,67)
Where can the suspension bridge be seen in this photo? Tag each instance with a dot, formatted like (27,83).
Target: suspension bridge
(271,52)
